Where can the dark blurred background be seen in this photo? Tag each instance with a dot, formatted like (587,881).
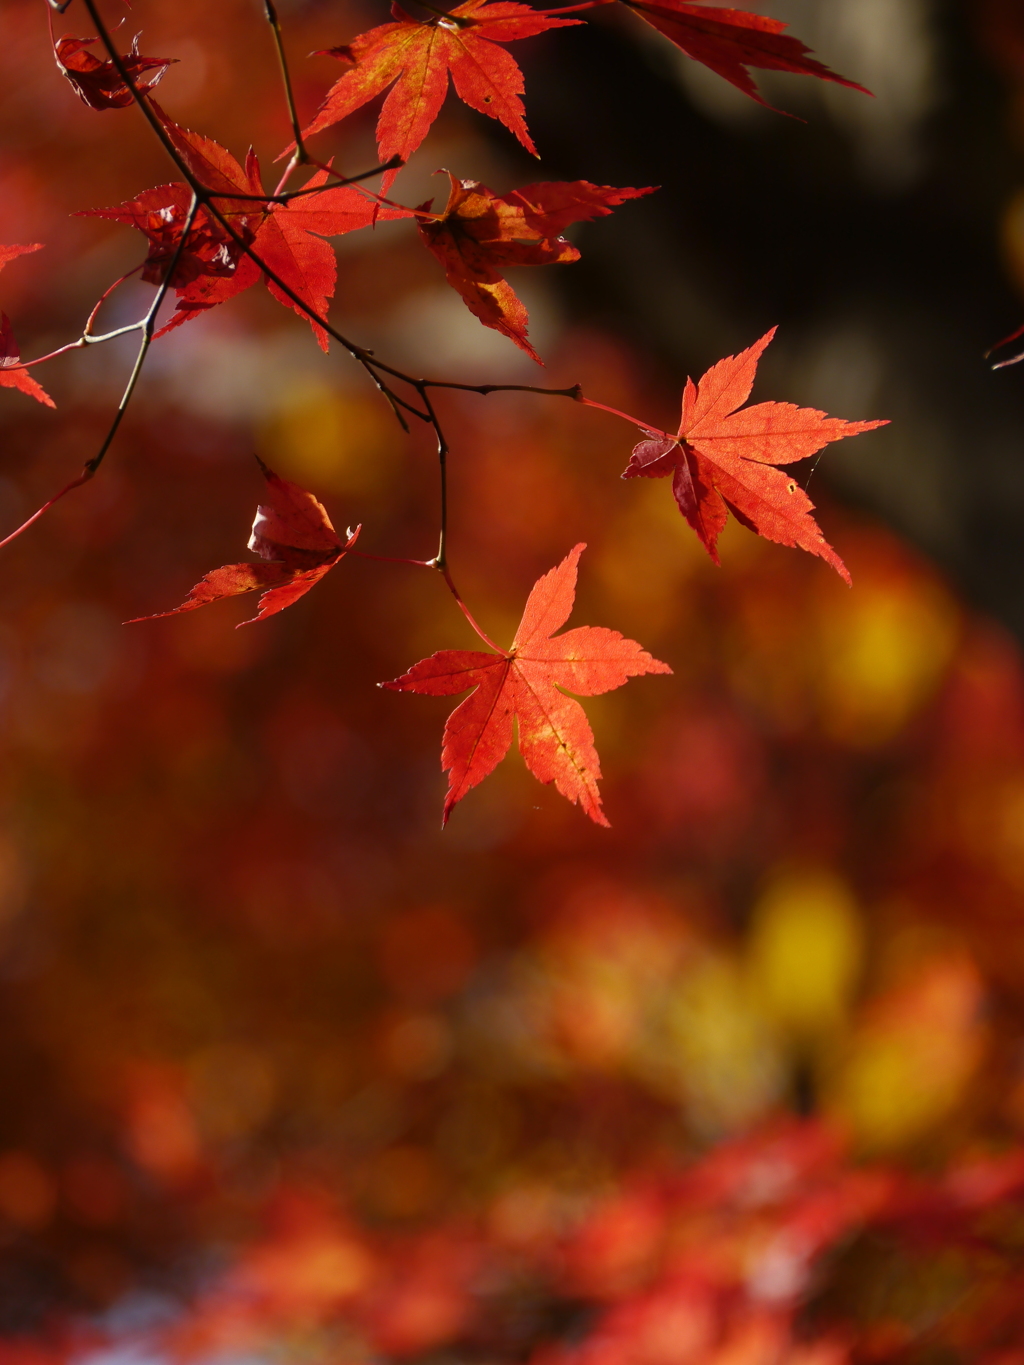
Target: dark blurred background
(884,237)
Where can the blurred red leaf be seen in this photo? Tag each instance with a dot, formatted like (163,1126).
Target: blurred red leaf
(731,40)
(8,253)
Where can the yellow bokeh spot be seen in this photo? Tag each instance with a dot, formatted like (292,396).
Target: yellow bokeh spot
(881,657)
(341,442)
(914,1055)
(1012,233)
(719,1053)
(649,558)
(805,950)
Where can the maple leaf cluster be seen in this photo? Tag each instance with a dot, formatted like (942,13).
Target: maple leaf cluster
(416,58)
(213,264)
(479,232)
(720,459)
(218,231)
(293,533)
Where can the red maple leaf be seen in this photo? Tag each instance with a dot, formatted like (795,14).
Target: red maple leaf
(420,57)
(98,83)
(288,238)
(731,40)
(525,684)
(722,460)
(480,233)
(13,374)
(293,533)
(9,253)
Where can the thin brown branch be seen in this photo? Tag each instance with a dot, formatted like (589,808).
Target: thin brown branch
(392,164)
(574,391)
(88,337)
(370,363)
(148,328)
(301,156)
(289,195)
(118,63)
(375,369)
(441,558)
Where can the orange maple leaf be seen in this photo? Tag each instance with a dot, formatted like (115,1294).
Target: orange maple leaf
(420,56)
(480,233)
(524,685)
(293,533)
(722,460)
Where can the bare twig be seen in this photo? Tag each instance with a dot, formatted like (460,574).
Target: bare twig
(286,198)
(270,11)
(203,196)
(147,326)
(441,558)
(207,198)
(574,391)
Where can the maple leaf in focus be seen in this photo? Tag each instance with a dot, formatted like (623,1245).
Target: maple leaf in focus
(418,58)
(288,238)
(480,233)
(293,534)
(13,374)
(98,83)
(525,684)
(731,40)
(722,460)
